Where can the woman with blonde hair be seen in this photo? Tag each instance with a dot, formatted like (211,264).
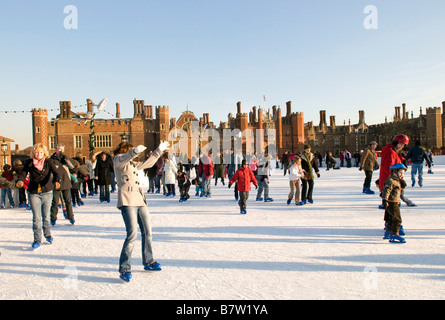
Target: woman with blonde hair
(43,178)
(133,204)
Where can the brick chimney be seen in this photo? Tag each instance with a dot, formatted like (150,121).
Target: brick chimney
(118,110)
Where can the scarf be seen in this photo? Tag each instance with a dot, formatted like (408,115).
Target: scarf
(38,163)
(308,157)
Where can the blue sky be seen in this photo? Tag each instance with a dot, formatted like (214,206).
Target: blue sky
(211,54)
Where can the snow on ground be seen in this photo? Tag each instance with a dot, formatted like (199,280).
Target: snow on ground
(332,249)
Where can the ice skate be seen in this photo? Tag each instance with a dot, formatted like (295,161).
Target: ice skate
(126,276)
(155,266)
(35,245)
(396,239)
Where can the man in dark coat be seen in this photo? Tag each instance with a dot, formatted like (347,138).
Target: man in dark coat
(63,165)
(309,164)
(103,170)
(417,155)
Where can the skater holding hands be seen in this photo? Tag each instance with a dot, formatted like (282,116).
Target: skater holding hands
(295,173)
(309,164)
(133,204)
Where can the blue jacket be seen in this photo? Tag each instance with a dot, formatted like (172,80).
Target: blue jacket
(417,154)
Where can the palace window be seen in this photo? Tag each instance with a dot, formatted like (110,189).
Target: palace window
(362,140)
(336,141)
(102,141)
(52,142)
(78,142)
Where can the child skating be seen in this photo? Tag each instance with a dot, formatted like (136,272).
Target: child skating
(295,173)
(184,186)
(243,176)
(391,201)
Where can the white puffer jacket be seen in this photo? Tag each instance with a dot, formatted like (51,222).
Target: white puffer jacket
(170,172)
(295,172)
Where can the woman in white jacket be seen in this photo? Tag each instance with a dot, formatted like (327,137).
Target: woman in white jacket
(133,204)
(170,171)
(295,173)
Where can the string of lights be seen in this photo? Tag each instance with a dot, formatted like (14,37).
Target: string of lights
(49,109)
(77,107)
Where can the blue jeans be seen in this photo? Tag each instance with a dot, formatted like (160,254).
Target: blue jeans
(206,185)
(7,191)
(417,167)
(41,212)
(134,216)
(104,192)
(263,185)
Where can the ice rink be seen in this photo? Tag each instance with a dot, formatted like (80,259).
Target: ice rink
(332,249)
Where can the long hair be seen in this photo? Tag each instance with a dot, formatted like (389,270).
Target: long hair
(39,146)
(122,147)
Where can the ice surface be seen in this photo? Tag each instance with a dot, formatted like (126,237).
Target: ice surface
(332,249)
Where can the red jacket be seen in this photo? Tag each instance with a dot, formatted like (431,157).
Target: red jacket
(206,167)
(244,176)
(8,175)
(389,156)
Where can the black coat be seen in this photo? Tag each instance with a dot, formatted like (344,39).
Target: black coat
(308,174)
(63,165)
(103,171)
(45,178)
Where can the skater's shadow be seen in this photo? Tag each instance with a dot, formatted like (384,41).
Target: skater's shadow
(391,264)
(271,234)
(80,273)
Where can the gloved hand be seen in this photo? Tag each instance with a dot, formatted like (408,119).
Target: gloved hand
(318,175)
(360,169)
(376,168)
(256,186)
(140,149)
(230,185)
(164,145)
(385,203)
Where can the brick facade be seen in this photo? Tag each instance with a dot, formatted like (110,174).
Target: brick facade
(149,127)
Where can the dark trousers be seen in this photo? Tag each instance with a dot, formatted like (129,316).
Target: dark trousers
(393,218)
(368,179)
(75,196)
(171,188)
(84,187)
(65,195)
(184,191)
(306,191)
(243,196)
(235,190)
(22,195)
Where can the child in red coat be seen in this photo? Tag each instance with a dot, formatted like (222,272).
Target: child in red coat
(244,176)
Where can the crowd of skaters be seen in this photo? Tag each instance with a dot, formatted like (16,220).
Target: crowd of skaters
(59,181)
